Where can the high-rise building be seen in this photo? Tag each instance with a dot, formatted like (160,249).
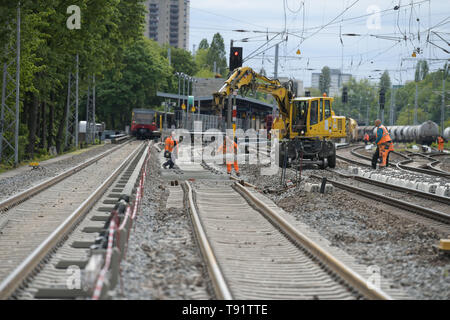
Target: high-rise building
(337,79)
(167,21)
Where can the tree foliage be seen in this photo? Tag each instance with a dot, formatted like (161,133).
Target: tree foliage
(363,96)
(146,71)
(325,80)
(203,44)
(181,60)
(385,82)
(110,44)
(207,54)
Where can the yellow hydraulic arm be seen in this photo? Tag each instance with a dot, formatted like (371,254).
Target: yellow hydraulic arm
(246,78)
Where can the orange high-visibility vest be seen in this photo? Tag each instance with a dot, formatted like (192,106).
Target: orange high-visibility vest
(170,143)
(386,137)
(366,137)
(440,140)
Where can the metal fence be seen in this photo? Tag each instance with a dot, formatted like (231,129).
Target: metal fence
(215,122)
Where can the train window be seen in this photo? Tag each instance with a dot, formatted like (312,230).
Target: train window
(313,112)
(327,109)
(144,118)
(321,109)
(299,115)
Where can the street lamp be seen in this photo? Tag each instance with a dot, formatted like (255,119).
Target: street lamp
(179,74)
(194,81)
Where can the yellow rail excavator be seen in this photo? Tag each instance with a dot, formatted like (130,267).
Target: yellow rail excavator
(306,126)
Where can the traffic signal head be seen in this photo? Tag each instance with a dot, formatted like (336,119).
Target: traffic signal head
(344,95)
(235,58)
(382,100)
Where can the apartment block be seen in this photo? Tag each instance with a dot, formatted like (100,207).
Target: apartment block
(337,81)
(167,21)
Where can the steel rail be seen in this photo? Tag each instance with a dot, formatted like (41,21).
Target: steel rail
(346,159)
(349,276)
(402,165)
(20,273)
(432,166)
(245,183)
(219,284)
(353,161)
(430,213)
(28,193)
(419,193)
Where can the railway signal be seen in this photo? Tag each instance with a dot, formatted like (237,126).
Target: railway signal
(344,95)
(235,57)
(381,100)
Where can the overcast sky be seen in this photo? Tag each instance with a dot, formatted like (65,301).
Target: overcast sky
(301,23)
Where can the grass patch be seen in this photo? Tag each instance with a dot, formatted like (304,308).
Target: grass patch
(43,155)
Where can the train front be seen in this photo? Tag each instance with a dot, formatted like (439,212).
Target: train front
(143,124)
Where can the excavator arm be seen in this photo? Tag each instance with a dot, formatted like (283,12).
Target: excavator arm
(246,78)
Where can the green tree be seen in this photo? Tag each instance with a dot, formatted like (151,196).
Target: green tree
(325,80)
(201,60)
(216,53)
(385,82)
(48,50)
(203,44)
(181,60)
(145,72)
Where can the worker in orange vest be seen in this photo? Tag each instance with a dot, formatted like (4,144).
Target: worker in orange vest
(169,153)
(440,144)
(230,147)
(366,138)
(384,145)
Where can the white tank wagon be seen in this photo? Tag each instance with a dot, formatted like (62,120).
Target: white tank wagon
(425,133)
(447,134)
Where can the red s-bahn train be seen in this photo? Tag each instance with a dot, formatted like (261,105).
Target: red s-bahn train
(144,124)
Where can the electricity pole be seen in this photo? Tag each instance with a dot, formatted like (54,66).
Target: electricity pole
(275,73)
(72,107)
(415,105)
(443,99)
(10,112)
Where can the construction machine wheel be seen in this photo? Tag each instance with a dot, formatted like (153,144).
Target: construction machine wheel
(332,156)
(332,159)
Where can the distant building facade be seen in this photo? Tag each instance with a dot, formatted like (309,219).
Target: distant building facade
(337,80)
(167,21)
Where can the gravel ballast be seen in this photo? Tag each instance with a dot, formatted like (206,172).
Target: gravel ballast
(370,231)
(163,259)
(25,179)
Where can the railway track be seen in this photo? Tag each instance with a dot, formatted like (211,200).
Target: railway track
(253,252)
(30,192)
(51,216)
(408,164)
(437,165)
(346,154)
(431,206)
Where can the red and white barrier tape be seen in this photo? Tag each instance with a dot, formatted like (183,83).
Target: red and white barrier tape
(113,228)
(109,250)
